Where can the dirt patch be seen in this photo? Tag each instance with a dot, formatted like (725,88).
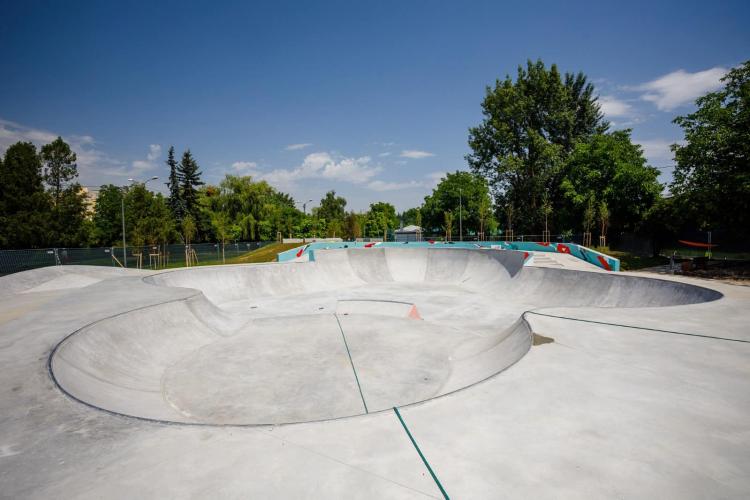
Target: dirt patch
(541,339)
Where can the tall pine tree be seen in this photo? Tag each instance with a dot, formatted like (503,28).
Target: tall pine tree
(59,166)
(175,201)
(190,176)
(25,208)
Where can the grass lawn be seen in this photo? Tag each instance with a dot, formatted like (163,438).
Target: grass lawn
(266,253)
(699,252)
(630,262)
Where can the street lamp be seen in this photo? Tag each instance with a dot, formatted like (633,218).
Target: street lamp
(122,211)
(304,206)
(460,217)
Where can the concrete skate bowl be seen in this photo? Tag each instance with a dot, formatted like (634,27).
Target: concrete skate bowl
(354,332)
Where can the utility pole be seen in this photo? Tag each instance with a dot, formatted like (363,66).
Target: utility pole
(460,217)
(124,252)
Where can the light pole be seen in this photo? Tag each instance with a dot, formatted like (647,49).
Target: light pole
(122,211)
(304,206)
(460,217)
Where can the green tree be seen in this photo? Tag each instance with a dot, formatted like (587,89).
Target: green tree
(69,226)
(353,228)
(608,168)
(589,214)
(25,207)
(253,209)
(409,217)
(380,219)
(603,219)
(188,229)
(712,173)
(107,216)
(529,128)
(148,219)
(190,177)
(457,192)
(485,217)
(332,208)
(448,225)
(59,166)
(175,201)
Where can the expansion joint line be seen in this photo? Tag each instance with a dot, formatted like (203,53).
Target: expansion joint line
(421,455)
(354,369)
(634,327)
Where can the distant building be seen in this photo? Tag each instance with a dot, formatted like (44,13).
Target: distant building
(408,233)
(90,201)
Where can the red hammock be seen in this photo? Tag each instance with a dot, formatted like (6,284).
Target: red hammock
(697,245)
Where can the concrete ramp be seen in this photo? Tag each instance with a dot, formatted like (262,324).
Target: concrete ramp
(353,332)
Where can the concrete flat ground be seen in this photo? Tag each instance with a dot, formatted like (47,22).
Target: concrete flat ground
(279,381)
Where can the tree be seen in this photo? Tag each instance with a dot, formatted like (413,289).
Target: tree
(108,216)
(529,128)
(148,219)
(380,218)
(253,209)
(448,225)
(485,215)
(25,208)
(589,214)
(188,229)
(456,189)
(409,217)
(68,223)
(712,173)
(332,208)
(604,221)
(353,228)
(59,166)
(190,177)
(176,204)
(608,168)
(546,210)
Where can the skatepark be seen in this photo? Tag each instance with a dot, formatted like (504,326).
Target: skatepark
(371,373)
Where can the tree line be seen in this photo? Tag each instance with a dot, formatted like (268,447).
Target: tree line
(543,157)
(43,205)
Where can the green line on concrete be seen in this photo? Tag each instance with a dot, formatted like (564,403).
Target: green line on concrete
(341,329)
(639,327)
(416,447)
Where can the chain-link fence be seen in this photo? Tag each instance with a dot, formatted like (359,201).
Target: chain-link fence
(146,257)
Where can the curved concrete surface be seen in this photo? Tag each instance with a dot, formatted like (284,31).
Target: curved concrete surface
(615,399)
(355,332)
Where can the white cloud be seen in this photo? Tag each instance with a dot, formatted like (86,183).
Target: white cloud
(680,87)
(430,181)
(436,177)
(416,154)
(325,166)
(394,186)
(11,132)
(94,165)
(154,152)
(657,151)
(613,107)
(243,166)
(295,147)
(384,154)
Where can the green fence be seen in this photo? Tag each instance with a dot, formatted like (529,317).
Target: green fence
(146,257)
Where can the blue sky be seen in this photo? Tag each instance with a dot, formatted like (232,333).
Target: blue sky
(371,99)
